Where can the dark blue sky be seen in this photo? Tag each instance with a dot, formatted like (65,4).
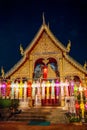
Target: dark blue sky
(21,19)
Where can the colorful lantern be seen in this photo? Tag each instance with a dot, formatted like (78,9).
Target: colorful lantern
(0,89)
(8,89)
(38,88)
(81,90)
(21,89)
(25,91)
(33,89)
(3,89)
(29,89)
(71,87)
(12,89)
(48,92)
(53,89)
(45,71)
(86,106)
(82,107)
(43,85)
(75,91)
(57,85)
(77,106)
(85,92)
(16,90)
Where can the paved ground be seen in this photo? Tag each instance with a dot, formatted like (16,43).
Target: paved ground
(25,126)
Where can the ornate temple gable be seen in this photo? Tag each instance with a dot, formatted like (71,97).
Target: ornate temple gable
(45,46)
(45,30)
(71,67)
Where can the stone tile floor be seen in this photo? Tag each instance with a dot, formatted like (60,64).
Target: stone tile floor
(24,126)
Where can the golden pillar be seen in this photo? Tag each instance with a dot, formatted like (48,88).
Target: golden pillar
(31,66)
(61,80)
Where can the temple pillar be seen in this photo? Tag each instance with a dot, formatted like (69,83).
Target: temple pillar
(61,79)
(31,66)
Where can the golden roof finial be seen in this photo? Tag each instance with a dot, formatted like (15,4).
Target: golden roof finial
(85,65)
(69,45)
(43,18)
(21,50)
(2,72)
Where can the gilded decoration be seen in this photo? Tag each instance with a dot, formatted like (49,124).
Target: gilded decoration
(45,45)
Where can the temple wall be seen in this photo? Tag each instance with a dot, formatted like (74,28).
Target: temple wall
(69,69)
(23,71)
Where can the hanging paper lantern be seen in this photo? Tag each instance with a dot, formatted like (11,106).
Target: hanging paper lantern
(12,90)
(85,92)
(71,87)
(57,85)
(0,89)
(25,90)
(8,89)
(75,88)
(17,90)
(77,106)
(45,71)
(29,89)
(47,87)
(86,106)
(38,87)
(53,89)
(33,89)
(3,89)
(21,89)
(43,85)
(82,107)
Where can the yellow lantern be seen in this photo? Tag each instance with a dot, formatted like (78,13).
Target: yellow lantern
(82,107)
(21,89)
(48,86)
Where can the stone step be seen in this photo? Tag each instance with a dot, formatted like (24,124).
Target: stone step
(53,115)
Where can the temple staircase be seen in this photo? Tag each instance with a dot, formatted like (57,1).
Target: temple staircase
(54,115)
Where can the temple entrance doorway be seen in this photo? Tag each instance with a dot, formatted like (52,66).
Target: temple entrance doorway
(49,91)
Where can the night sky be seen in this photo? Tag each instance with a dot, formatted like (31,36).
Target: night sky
(21,19)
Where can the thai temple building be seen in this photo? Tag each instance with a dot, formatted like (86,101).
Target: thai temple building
(46,74)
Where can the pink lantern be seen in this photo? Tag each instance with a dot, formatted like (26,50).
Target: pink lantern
(57,88)
(3,89)
(86,106)
(71,87)
(85,92)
